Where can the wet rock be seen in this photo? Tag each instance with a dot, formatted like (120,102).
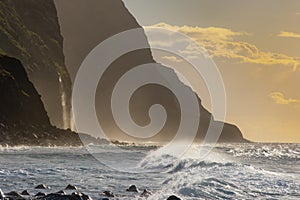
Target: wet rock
(2,196)
(42,187)
(75,196)
(25,192)
(71,187)
(80,195)
(108,194)
(132,188)
(40,194)
(61,195)
(173,197)
(86,197)
(55,196)
(61,192)
(146,193)
(77,193)
(14,195)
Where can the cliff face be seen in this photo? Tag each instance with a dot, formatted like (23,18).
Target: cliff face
(23,118)
(20,103)
(84,25)
(29,31)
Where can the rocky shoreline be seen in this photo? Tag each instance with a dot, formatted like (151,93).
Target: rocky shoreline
(32,135)
(73,195)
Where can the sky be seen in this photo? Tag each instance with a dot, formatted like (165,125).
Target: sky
(256,46)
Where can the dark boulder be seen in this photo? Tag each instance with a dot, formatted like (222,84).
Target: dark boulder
(173,197)
(40,194)
(80,195)
(13,195)
(25,192)
(73,196)
(61,195)
(71,187)
(61,192)
(2,196)
(54,196)
(108,194)
(42,187)
(132,188)
(146,193)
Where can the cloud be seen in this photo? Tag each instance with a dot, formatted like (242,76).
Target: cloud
(288,34)
(223,43)
(173,59)
(279,98)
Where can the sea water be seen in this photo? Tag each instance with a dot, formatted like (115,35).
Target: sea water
(230,171)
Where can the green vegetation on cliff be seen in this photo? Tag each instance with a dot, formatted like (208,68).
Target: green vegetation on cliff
(30,32)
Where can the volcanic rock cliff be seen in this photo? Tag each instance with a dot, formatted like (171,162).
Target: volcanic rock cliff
(20,102)
(30,32)
(84,25)
(23,118)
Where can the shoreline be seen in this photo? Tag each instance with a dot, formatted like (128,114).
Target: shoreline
(71,192)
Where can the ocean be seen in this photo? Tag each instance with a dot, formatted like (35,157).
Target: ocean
(230,171)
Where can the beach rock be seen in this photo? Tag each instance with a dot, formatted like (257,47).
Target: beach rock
(14,195)
(146,193)
(61,195)
(2,196)
(54,196)
(25,192)
(173,197)
(73,196)
(61,192)
(81,196)
(71,187)
(40,194)
(108,194)
(132,188)
(42,187)
(86,197)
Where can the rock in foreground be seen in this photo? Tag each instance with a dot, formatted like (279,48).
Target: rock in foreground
(43,196)
(173,197)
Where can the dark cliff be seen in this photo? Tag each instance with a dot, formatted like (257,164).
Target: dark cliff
(23,118)
(20,103)
(84,25)
(30,32)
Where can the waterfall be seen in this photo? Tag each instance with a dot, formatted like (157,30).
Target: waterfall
(72,123)
(65,109)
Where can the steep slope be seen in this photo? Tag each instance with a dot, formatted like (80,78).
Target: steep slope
(20,102)
(23,118)
(29,31)
(84,25)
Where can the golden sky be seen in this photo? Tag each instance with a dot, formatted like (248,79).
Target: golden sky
(256,46)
